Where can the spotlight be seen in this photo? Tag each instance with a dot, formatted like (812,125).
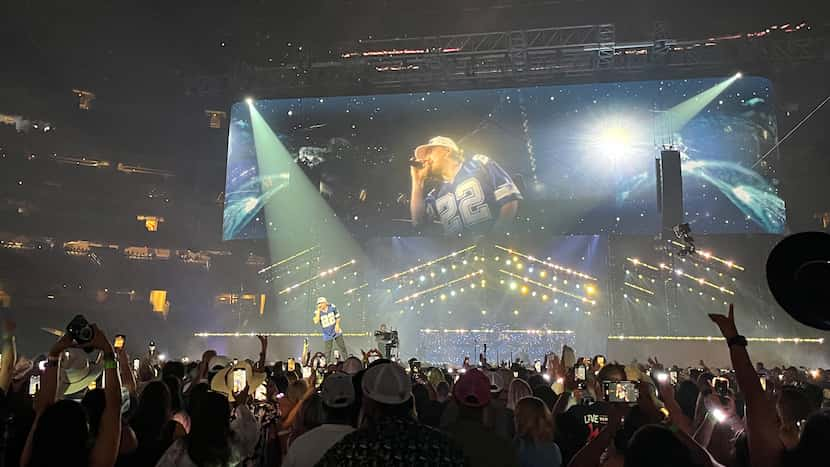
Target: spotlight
(739,75)
(249,100)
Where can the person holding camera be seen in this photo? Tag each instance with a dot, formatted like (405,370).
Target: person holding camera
(59,435)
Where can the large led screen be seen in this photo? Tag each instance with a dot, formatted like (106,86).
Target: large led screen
(575,159)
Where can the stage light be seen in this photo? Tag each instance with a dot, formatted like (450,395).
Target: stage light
(524,290)
(739,75)
(513,286)
(516,312)
(249,100)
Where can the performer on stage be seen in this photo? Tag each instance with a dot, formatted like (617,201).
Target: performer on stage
(468,195)
(327,316)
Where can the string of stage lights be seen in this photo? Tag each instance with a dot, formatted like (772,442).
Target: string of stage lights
(545,286)
(428,263)
(319,275)
(709,255)
(681,273)
(440,286)
(779,340)
(548,264)
(290,258)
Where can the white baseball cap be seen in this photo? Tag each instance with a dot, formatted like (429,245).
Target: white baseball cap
(322,300)
(387,383)
(438,141)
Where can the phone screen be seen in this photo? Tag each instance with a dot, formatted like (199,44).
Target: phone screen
(261,393)
(291,364)
(763,380)
(600,361)
(136,364)
(721,386)
(673,376)
(34,384)
(579,373)
(119,341)
(620,391)
(240,379)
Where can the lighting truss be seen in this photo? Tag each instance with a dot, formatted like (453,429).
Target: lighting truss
(681,273)
(421,293)
(414,269)
(779,340)
(288,259)
(548,287)
(548,264)
(319,275)
(711,256)
(273,334)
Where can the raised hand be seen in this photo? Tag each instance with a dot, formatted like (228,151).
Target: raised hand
(99,340)
(726,323)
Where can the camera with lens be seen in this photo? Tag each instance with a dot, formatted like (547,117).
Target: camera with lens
(80,330)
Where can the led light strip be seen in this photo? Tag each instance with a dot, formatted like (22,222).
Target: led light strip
(637,262)
(779,340)
(427,264)
(550,265)
(491,331)
(318,276)
(680,272)
(440,286)
(290,258)
(546,286)
(274,334)
(710,255)
(355,289)
(637,287)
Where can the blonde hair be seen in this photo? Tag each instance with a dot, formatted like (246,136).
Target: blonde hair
(517,390)
(533,420)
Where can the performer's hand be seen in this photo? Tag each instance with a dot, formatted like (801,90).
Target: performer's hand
(338,330)
(419,174)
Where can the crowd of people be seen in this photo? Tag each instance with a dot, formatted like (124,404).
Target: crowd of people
(85,403)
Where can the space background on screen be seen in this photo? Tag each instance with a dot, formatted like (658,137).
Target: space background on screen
(582,156)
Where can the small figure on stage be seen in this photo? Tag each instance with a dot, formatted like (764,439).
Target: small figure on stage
(327,316)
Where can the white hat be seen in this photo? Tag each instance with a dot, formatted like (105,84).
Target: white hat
(77,372)
(221,383)
(322,300)
(438,141)
(387,383)
(338,390)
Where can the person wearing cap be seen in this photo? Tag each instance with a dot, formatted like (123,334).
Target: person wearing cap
(391,434)
(338,398)
(327,316)
(465,195)
(482,445)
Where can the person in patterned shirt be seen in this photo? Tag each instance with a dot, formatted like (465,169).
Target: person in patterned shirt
(391,436)
(471,195)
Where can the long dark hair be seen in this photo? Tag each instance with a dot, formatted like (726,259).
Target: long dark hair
(61,437)
(210,430)
(154,411)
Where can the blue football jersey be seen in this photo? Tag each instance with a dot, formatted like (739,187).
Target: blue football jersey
(471,202)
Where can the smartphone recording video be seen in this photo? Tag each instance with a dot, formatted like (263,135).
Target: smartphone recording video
(673,377)
(721,386)
(240,379)
(580,376)
(763,380)
(620,391)
(291,364)
(118,343)
(34,384)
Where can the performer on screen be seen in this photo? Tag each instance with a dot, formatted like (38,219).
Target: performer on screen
(470,195)
(327,316)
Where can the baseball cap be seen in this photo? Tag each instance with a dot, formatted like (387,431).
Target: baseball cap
(387,383)
(352,365)
(496,382)
(439,141)
(322,300)
(338,390)
(472,389)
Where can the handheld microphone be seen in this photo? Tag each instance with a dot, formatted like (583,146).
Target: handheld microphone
(416,163)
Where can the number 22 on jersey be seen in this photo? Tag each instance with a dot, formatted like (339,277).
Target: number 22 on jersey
(465,207)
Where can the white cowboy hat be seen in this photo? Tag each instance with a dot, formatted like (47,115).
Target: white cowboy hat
(438,141)
(223,383)
(77,372)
